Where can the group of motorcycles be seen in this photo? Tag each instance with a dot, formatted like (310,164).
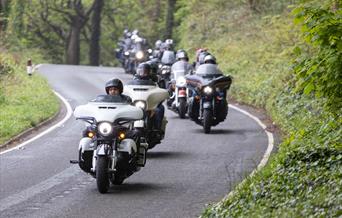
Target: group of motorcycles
(132,50)
(119,134)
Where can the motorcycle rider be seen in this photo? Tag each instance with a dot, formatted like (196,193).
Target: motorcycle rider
(157,49)
(182,60)
(182,56)
(200,55)
(210,59)
(145,77)
(114,87)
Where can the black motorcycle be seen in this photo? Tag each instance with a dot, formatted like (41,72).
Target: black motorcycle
(164,71)
(208,104)
(136,55)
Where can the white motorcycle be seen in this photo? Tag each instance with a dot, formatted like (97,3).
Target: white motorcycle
(106,150)
(147,95)
(178,100)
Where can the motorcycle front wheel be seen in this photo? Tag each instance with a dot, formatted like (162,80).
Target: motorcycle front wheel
(182,108)
(102,179)
(207,120)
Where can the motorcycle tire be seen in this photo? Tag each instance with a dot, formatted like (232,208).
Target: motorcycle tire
(207,120)
(102,179)
(182,108)
(117,180)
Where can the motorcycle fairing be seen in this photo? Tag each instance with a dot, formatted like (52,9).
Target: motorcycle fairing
(151,94)
(109,112)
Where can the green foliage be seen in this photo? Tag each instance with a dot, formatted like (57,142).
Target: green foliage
(24,101)
(304,178)
(320,71)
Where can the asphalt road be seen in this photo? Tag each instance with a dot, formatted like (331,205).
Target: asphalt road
(188,170)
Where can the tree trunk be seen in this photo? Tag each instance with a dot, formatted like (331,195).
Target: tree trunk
(94,50)
(253,5)
(169,18)
(73,50)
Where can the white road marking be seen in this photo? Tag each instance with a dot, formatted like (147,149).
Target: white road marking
(57,179)
(267,153)
(59,124)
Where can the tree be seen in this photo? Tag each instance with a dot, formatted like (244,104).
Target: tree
(94,50)
(169,18)
(58,23)
(4,10)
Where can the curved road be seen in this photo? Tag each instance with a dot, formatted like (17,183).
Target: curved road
(188,170)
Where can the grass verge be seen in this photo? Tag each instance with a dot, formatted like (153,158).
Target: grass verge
(25,101)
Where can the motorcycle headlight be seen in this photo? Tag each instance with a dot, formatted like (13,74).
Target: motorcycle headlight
(139,55)
(208,90)
(140,104)
(181,80)
(166,69)
(105,128)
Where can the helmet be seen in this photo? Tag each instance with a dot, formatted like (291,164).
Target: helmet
(114,83)
(199,51)
(135,32)
(158,43)
(168,44)
(209,59)
(143,71)
(181,54)
(169,41)
(201,56)
(128,34)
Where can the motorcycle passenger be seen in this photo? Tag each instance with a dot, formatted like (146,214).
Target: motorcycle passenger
(145,77)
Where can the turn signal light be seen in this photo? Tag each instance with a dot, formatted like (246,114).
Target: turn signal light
(90,134)
(122,135)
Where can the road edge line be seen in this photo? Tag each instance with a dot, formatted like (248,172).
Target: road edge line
(60,123)
(266,155)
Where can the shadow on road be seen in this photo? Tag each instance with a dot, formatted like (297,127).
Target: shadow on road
(166,154)
(134,188)
(215,131)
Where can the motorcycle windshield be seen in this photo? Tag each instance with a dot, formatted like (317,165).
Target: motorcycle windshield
(208,70)
(179,69)
(109,99)
(168,57)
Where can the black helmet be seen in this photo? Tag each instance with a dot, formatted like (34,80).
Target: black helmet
(201,56)
(143,70)
(114,83)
